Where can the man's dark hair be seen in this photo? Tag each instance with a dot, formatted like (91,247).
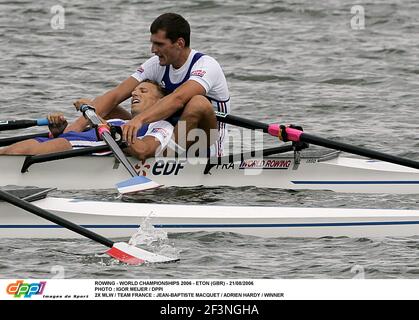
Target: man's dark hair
(175,26)
(160,89)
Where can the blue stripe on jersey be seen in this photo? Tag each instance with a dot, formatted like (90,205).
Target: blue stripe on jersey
(169,87)
(142,131)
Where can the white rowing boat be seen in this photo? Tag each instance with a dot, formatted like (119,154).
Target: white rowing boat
(120,220)
(314,172)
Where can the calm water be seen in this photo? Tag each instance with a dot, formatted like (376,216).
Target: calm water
(291,60)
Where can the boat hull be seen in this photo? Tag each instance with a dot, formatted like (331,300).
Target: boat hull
(121,220)
(337,174)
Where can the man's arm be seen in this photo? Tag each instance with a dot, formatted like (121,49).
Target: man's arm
(163,109)
(144,148)
(106,103)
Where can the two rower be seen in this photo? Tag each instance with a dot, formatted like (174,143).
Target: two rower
(195,84)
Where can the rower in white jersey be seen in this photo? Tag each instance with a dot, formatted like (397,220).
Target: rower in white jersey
(195,82)
(200,68)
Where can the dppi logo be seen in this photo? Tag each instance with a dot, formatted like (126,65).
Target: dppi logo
(161,167)
(27,290)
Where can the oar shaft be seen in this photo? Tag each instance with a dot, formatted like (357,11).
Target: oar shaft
(300,136)
(118,153)
(305,137)
(241,122)
(5,196)
(90,114)
(20,124)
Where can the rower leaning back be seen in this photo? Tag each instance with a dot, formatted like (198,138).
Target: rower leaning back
(152,138)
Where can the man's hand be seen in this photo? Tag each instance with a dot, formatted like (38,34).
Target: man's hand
(130,129)
(77,104)
(57,123)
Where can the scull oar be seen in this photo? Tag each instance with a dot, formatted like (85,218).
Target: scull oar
(286,133)
(21,124)
(136,183)
(121,251)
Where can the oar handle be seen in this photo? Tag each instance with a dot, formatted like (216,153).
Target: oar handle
(42,122)
(5,196)
(90,114)
(21,124)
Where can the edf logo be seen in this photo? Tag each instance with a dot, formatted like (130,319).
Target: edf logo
(168,167)
(27,290)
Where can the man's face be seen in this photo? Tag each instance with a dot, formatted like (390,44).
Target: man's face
(144,95)
(163,47)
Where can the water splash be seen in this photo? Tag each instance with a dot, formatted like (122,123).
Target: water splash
(153,239)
